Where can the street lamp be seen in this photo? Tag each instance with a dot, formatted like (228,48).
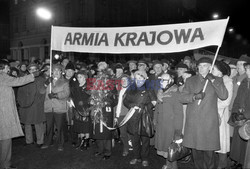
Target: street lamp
(215,16)
(44,13)
(231,30)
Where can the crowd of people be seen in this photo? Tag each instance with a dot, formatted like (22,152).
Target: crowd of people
(78,102)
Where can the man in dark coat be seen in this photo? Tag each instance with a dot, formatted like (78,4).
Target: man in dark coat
(202,122)
(241,104)
(31,100)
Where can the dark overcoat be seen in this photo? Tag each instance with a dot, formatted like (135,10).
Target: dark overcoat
(169,119)
(202,122)
(141,97)
(31,100)
(238,147)
(81,116)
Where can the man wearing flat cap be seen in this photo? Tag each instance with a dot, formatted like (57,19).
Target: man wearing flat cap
(202,121)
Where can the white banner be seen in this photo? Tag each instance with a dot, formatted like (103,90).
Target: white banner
(144,39)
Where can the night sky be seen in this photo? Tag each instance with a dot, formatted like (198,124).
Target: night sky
(238,10)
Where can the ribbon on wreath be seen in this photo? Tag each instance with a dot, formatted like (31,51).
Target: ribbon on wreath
(124,120)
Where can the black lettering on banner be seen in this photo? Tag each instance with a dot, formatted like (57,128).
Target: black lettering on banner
(131,38)
(118,39)
(77,38)
(170,37)
(87,40)
(103,39)
(96,38)
(182,35)
(197,34)
(68,39)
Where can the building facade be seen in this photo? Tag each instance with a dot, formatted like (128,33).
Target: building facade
(4,29)
(30,35)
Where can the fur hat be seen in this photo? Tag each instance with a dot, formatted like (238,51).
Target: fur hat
(118,66)
(70,65)
(181,65)
(223,67)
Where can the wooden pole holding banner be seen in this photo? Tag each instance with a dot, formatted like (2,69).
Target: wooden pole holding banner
(51,58)
(210,71)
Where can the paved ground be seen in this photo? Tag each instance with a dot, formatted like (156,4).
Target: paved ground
(31,157)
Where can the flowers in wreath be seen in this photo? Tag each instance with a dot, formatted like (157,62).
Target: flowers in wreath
(99,98)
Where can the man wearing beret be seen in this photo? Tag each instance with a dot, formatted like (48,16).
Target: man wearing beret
(202,121)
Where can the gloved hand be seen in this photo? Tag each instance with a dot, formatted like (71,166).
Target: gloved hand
(36,73)
(210,77)
(199,96)
(53,95)
(178,135)
(48,81)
